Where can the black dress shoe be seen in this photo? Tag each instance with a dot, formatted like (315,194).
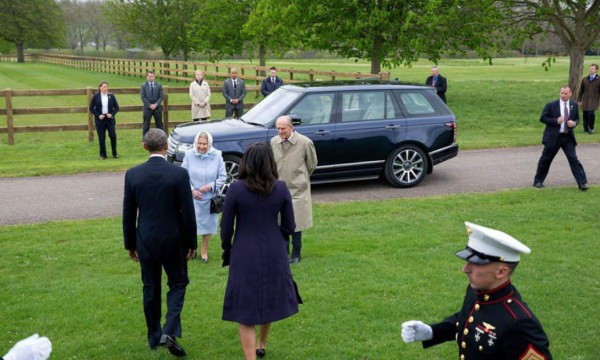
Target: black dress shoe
(538,185)
(294,260)
(163,340)
(261,353)
(583,187)
(174,348)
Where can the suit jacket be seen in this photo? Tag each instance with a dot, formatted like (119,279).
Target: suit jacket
(96,105)
(158,211)
(150,96)
(268,87)
(440,85)
(550,116)
(230,93)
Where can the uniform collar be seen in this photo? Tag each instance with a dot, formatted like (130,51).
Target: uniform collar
(498,294)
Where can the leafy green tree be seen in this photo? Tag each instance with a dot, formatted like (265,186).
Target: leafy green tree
(272,28)
(575,22)
(394,32)
(162,23)
(30,23)
(216,28)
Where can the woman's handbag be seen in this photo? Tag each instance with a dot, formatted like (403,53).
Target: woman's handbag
(217,201)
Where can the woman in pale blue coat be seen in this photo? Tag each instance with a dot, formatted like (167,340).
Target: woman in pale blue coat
(205,165)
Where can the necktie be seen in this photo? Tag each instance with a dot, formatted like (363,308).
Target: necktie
(152,88)
(273,80)
(566,118)
(234,84)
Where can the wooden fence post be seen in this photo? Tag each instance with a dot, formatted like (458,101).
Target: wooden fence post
(90,116)
(166,108)
(9,117)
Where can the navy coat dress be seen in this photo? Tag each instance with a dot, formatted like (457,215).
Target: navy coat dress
(260,288)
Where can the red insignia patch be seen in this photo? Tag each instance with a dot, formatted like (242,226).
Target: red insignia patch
(531,353)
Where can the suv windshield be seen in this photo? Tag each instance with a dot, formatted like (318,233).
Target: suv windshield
(264,112)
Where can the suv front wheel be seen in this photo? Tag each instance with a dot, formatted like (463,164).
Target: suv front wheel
(232,164)
(406,166)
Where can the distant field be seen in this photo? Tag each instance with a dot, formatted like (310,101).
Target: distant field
(496,106)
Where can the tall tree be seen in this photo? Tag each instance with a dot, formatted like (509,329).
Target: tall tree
(575,22)
(394,32)
(162,23)
(76,18)
(22,23)
(219,36)
(269,29)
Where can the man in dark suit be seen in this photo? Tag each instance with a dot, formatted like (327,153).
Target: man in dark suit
(234,91)
(438,82)
(152,97)
(159,228)
(271,83)
(561,117)
(104,106)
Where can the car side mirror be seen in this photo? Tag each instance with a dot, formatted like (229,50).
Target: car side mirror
(296,120)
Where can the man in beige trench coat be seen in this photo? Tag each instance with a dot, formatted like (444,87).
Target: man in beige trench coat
(296,159)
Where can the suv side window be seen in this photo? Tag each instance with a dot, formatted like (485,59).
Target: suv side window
(367,105)
(314,108)
(420,103)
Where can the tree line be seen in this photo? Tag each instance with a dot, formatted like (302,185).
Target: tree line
(385,32)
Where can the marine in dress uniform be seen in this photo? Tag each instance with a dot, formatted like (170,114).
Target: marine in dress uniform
(494,323)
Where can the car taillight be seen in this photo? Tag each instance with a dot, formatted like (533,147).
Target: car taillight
(454,130)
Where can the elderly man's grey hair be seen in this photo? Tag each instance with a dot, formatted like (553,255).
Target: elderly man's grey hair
(155,140)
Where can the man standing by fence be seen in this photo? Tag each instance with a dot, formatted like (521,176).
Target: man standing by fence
(152,97)
(234,91)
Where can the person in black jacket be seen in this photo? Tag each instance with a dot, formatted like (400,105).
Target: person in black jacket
(159,230)
(104,106)
(494,323)
(561,117)
(271,83)
(438,82)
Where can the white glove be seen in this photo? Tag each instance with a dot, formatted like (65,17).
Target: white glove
(416,331)
(32,348)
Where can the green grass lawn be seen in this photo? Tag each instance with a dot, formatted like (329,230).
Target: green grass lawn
(367,267)
(496,106)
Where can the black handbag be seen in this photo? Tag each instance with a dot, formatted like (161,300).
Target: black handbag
(217,201)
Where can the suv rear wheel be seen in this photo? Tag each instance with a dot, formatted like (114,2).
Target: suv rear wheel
(406,166)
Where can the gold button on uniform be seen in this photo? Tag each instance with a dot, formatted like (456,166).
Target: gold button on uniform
(466,332)
(457,324)
(463,345)
(476,307)
(486,297)
(480,348)
(471,319)
(462,357)
(509,301)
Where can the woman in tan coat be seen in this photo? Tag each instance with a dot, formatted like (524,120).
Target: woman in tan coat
(200,96)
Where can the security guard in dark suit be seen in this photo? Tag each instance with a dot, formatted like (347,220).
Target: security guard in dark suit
(493,323)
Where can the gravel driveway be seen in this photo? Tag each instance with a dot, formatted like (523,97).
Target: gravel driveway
(39,199)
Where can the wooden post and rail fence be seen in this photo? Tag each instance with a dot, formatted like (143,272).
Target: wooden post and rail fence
(169,70)
(10,111)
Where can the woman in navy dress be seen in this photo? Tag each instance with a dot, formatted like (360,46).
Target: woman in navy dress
(205,165)
(260,288)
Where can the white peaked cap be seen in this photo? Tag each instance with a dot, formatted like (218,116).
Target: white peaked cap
(488,245)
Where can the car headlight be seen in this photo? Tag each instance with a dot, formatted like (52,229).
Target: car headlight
(183,147)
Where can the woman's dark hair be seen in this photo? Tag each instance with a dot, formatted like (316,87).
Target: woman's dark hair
(259,169)
(102,83)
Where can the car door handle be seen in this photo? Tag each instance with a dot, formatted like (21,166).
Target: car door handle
(322,132)
(392,127)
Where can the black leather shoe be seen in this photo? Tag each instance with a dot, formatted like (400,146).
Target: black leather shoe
(583,187)
(174,348)
(261,353)
(294,260)
(163,340)
(538,185)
